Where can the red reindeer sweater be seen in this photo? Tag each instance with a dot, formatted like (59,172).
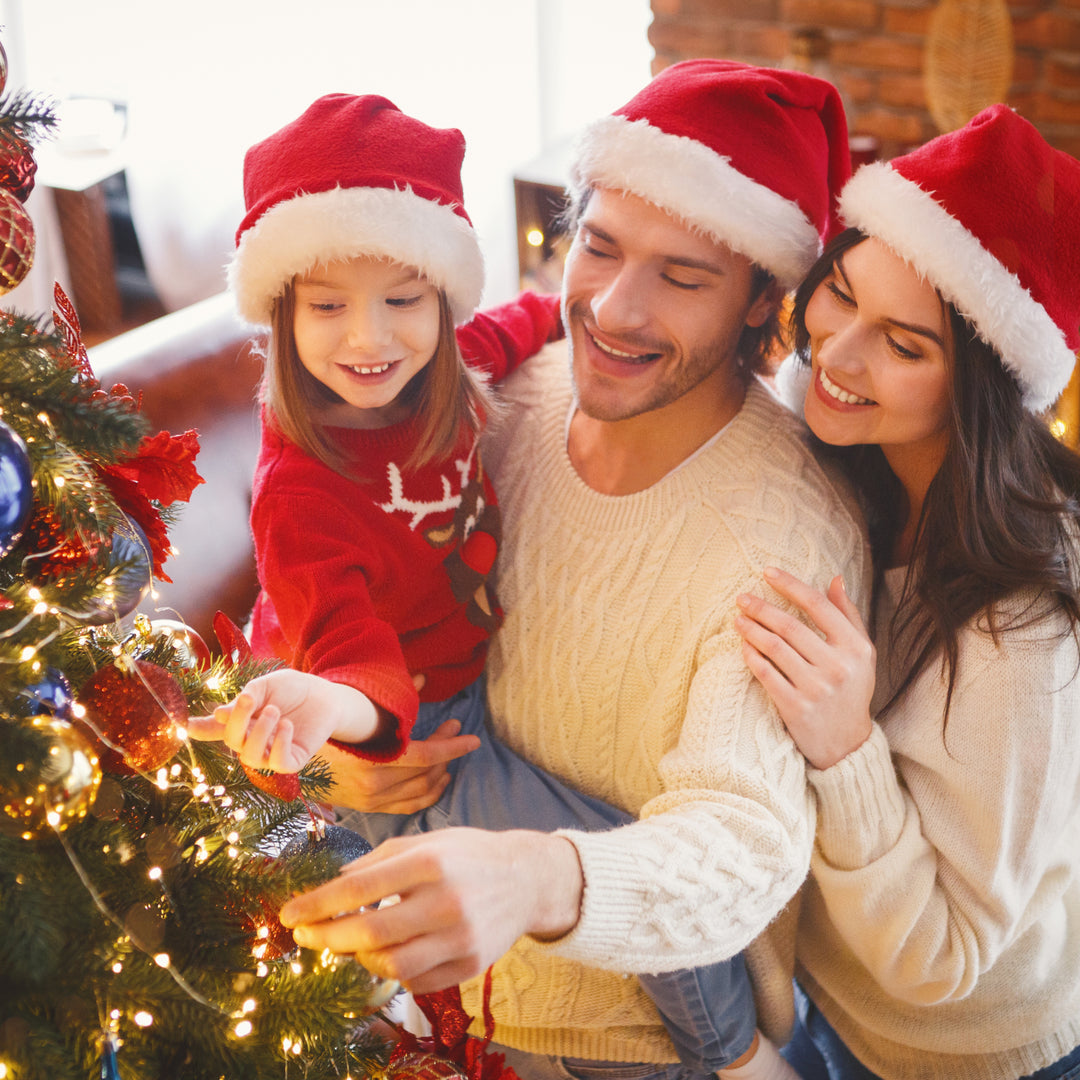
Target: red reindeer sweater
(371,582)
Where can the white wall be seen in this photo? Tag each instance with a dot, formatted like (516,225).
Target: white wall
(205,78)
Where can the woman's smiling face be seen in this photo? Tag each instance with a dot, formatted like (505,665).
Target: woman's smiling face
(882,356)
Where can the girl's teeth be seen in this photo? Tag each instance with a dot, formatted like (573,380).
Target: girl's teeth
(840,394)
(371,370)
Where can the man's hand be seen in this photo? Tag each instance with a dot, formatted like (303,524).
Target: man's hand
(466,896)
(411,782)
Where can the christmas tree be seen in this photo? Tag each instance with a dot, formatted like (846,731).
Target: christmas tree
(140,872)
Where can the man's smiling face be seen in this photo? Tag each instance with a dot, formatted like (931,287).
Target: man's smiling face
(653,311)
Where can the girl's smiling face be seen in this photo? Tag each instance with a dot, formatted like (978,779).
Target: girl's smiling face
(882,356)
(364,327)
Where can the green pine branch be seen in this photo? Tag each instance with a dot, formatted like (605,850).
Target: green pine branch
(25,118)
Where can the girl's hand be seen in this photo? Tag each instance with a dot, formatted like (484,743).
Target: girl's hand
(279,721)
(821,685)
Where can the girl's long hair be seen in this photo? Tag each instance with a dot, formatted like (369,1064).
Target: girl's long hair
(1002,513)
(449,398)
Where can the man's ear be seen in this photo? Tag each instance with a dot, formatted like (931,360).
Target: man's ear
(765,303)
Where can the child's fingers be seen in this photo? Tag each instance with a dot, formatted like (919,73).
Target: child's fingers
(283,754)
(255,744)
(208,728)
(238,716)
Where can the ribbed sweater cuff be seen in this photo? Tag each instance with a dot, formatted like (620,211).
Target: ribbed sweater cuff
(860,805)
(611,905)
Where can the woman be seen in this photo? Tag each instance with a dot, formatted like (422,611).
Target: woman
(940,930)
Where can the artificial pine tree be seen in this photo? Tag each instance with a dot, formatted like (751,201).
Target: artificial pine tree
(140,873)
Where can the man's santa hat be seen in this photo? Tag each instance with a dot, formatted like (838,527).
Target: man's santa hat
(753,157)
(990,216)
(354,176)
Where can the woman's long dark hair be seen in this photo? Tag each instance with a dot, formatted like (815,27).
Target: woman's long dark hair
(1002,513)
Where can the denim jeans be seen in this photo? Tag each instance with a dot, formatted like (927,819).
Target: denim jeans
(708,1011)
(816,1052)
(546,1067)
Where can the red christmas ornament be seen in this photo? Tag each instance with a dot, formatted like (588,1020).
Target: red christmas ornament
(138,707)
(17,169)
(54,554)
(273,940)
(16,242)
(286,786)
(450,1040)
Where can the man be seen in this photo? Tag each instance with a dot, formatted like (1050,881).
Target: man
(642,494)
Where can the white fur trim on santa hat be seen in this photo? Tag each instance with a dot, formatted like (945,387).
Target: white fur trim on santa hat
(881,203)
(702,188)
(392,223)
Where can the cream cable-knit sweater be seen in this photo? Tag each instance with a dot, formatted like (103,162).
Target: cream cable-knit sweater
(618,669)
(940,931)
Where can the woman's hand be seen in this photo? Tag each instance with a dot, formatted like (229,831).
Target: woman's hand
(411,782)
(821,686)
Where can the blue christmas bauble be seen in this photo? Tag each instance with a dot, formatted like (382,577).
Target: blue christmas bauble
(16,490)
(129,552)
(340,844)
(51,694)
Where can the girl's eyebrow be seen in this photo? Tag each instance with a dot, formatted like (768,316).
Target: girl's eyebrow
(914,328)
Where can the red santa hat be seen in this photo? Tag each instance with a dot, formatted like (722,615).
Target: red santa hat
(753,157)
(354,176)
(990,215)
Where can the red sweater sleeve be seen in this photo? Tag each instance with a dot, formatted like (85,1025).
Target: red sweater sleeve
(322,605)
(500,338)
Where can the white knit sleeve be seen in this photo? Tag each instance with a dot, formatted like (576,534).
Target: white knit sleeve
(716,856)
(932,867)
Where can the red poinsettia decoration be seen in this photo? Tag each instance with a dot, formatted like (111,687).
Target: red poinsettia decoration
(450,1038)
(161,472)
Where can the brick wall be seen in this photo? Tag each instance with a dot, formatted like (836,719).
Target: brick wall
(873,52)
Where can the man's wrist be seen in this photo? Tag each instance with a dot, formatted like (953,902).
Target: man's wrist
(556,881)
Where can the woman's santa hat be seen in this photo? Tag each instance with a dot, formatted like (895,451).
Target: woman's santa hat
(990,215)
(354,176)
(753,157)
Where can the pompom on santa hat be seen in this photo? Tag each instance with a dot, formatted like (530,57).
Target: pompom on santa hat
(990,216)
(354,176)
(752,157)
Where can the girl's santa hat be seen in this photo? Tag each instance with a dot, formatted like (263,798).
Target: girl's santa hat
(990,215)
(354,176)
(753,157)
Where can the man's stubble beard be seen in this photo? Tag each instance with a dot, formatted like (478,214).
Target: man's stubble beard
(689,373)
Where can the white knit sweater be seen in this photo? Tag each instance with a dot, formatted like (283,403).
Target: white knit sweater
(618,669)
(940,931)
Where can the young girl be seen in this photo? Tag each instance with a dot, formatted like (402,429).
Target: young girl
(940,930)
(375,524)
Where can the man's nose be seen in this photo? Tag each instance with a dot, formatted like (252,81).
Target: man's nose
(621,303)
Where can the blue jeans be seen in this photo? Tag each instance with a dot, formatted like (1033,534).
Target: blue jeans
(816,1052)
(708,1011)
(546,1067)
